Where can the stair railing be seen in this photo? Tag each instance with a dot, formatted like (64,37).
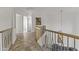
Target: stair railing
(60,38)
(6,39)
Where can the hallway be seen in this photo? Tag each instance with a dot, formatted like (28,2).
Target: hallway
(26,27)
(27,43)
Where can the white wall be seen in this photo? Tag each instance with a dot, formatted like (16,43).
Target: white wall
(67,22)
(48,17)
(5,18)
(77,24)
(51,17)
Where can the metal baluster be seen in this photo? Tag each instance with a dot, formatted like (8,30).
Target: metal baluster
(52,39)
(55,40)
(6,39)
(45,40)
(10,36)
(74,43)
(58,41)
(62,43)
(2,42)
(67,43)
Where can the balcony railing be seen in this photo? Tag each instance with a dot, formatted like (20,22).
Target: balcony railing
(59,41)
(6,39)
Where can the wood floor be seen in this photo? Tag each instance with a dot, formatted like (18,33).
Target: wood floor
(25,42)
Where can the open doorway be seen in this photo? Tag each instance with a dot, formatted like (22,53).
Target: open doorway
(19,23)
(23,23)
(27,24)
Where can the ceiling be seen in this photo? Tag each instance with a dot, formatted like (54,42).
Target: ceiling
(65,9)
(52,9)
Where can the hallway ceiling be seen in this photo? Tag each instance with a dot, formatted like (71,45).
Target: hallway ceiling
(65,9)
(74,10)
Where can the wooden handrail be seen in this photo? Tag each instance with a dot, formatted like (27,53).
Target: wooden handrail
(5,30)
(64,34)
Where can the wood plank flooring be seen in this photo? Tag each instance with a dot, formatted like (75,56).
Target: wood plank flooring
(25,42)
